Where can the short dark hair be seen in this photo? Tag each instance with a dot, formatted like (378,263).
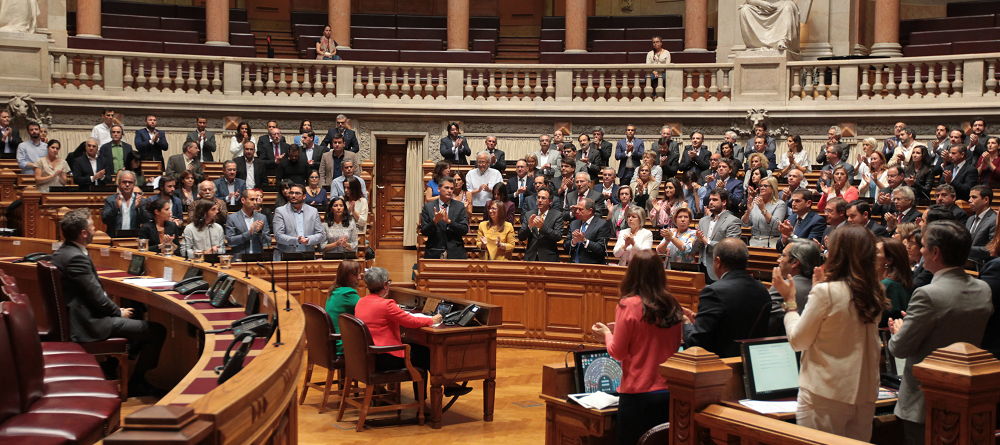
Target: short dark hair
(947,129)
(106,110)
(952,238)
(337,135)
(839,205)
(977,119)
(663,141)
(697,132)
(761,125)
(30,124)
(74,223)
(729,163)
(454,124)
(806,194)
(984,192)
(445,179)
(311,133)
(861,206)
(961,149)
(721,193)
(937,212)
(732,255)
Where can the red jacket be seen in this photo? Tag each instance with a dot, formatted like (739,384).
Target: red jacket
(384,318)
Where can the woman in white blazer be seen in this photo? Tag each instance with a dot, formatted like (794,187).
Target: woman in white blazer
(634,237)
(838,332)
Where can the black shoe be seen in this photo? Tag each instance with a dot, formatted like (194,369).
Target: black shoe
(455,391)
(141,388)
(110,368)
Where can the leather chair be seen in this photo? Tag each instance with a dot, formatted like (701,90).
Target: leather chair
(359,367)
(50,282)
(656,435)
(322,344)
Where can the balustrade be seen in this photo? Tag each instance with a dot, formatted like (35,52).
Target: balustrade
(77,72)
(811,82)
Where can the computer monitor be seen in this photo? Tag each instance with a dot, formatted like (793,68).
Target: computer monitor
(770,369)
(596,371)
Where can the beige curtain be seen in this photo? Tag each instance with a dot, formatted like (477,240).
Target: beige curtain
(414,202)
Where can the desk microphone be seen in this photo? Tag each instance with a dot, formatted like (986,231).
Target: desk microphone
(288,307)
(274,298)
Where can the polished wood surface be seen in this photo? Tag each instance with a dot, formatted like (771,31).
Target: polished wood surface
(257,404)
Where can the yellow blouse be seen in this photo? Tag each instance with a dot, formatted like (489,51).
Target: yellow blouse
(491,233)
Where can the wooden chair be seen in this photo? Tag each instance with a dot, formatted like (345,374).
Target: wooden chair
(359,355)
(322,344)
(50,282)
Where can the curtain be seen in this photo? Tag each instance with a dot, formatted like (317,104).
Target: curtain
(414,200)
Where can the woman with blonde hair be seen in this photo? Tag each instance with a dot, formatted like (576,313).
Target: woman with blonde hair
(496,234)
(765,214)
(645,187)
(634,237)
(839,188)
(838,334)
(755,161)
(867,148)
(875,176)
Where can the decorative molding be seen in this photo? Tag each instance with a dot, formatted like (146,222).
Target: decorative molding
(507,128)
(364,128)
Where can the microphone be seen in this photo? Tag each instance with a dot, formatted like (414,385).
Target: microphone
(288,307)
(274,298)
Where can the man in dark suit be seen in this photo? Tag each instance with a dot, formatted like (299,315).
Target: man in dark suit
(272,148)
(455,148)
(963,173)
(733,308)
(123,210)
(229,188)
(946,197)
(444,223)
(497,159)
(590,156)
(114,152)
(977,138)
(628,152)
(670,157)
(92,315)
(310,152)
(983,224)
(10,138)
(760,146)
(204,138)
(835,214)
(953,308)
(607,187)
(727,181)
(293,167)
(802,222)
(150,142)
(695,156)
(91,169)
(541,230)
(859,213)
(520,185)
(350,137)
(602,146)
(587,241)
(883,203)
(251,170)
(833,136)
(244,237)
(541,183)
(770,145)
(186,160)
(582,191)
(902,200)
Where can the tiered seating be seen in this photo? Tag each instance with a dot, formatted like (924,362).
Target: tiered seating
(159,28)
(616,40)
(969,28)
(399,38)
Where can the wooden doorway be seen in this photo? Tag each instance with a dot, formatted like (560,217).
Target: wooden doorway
(390,191)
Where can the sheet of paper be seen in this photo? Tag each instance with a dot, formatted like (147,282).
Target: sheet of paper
(765,407)
(168,273)
(598,400)
(127,255)
(149,282)
(56,246)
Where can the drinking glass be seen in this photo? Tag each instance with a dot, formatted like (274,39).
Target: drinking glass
(199,256)
(225,261)
(143,245)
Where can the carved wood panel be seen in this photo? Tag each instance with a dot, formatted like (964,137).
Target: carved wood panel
(390,174)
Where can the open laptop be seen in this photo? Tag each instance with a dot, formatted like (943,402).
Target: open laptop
(770,368)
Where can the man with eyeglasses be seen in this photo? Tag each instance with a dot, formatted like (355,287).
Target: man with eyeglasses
(122,211)
(297,227)
(798,259)
(350,137)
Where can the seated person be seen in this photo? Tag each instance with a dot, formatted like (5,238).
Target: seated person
(343,294)
(203,233)
(383,318)
(206,191)
(441,169)
(341,233)
(161,230)
(92,315)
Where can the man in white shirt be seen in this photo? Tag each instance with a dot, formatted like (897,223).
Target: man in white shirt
(312,153)
(10,138)
(480,181)
(548,159)
(204,138)
(102,131)
(339,183)
(30,150)
(941,143)
(907,141)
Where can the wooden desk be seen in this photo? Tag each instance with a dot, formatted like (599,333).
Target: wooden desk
(257,405)
(458,354)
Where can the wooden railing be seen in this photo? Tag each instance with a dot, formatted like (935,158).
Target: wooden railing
(961,385)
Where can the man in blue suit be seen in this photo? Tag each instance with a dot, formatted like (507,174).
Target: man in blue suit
(454,148)
(350,137)
(726,180)
(587,240)
(247,230)
(802,223)
(229,188)
(628,152)
(150,142)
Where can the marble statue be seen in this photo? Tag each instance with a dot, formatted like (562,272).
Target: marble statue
(771,24)
(19,16)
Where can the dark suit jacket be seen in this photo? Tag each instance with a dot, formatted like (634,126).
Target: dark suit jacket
(734,308)
(208,148)
(148,232)
(812,227)
(599,188)
(596,251)
(512,186)
(265,151)
(500,165)
(990,273)
(105,152)
(982,236)
(600,207)
(447,149)
(443,237)
(259,170)
(877,229)
(90,310)
(297,171)
(151,151)
(350,140)
(176,206)
(594,156)
(317,157)
(966,178)
(624,174)
(960,214)
(605,149)
(700,162)
(531,203)
(15,140)
(671,162)
(222,188)
(82,171)
(541,244)
(111,215)
(921,276)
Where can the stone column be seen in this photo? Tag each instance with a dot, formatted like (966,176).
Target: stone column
(576,26)
(458,25)
(815,33)
(696,25)
(887,29)
(88,18)
(340,22)
(217,22)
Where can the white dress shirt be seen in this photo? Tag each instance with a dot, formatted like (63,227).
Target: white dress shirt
(476,178)
(103,134)
(250,175)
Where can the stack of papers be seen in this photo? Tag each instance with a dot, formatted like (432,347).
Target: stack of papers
(765,407)
(597,400)
(150,283)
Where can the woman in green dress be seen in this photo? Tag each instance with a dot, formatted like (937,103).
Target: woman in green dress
(893,264)
(343,295)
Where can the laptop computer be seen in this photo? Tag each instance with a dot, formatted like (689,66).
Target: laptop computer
(770,368)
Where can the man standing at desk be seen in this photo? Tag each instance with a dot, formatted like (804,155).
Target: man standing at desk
(92,315)
(122,211)
(444,223)
(297,227)
(246,230)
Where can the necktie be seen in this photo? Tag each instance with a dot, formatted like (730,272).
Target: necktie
(276,150)
(520,198)
(456,147)
(580,244)
(975,224)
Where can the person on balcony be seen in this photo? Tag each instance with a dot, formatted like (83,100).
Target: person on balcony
(657,56)
(326,47)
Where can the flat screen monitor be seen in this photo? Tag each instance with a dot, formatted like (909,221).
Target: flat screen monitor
(597,371)
(771,369)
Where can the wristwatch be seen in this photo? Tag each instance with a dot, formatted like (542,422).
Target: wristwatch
(787,307)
